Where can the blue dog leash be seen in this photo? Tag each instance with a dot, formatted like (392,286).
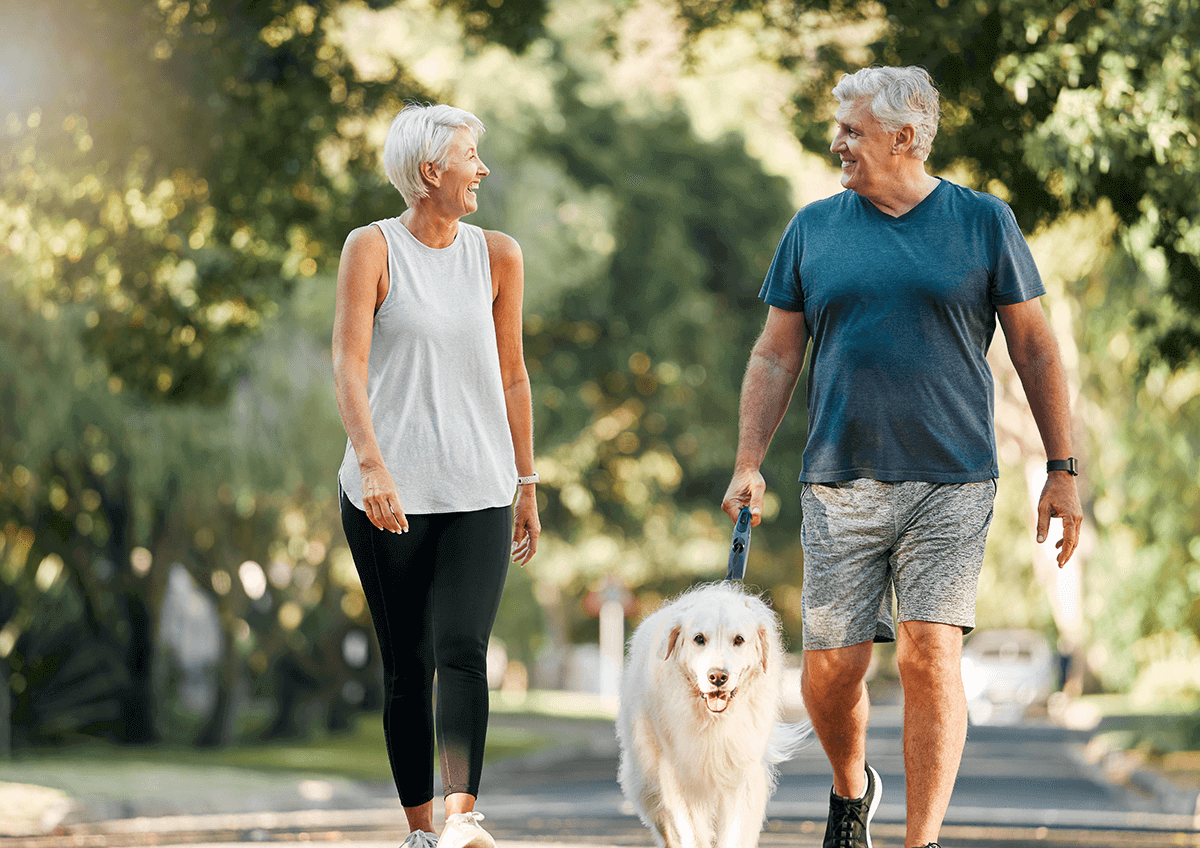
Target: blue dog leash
(739,549)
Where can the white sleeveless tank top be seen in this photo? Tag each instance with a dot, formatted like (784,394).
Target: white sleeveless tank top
(433,379)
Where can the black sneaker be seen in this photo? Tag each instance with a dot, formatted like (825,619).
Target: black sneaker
(850,821)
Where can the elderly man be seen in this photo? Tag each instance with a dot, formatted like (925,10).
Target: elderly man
(898,282)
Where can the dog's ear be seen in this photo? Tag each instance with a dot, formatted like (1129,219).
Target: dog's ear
(672,641)
(764,647)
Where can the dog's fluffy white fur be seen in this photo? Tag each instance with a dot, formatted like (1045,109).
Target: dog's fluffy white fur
(699,721)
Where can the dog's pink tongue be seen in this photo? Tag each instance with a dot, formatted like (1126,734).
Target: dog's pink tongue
(716,702)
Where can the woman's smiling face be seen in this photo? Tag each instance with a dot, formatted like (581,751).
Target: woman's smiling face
(461,175)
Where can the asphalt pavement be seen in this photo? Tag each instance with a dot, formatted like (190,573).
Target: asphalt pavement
(1015,789)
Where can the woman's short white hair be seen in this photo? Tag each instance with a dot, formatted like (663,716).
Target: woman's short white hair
(899,97)
(419,134)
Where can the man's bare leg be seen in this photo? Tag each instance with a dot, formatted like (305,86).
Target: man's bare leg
(935,722)
(835,693)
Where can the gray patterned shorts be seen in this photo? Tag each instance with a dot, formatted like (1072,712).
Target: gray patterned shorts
(864,539)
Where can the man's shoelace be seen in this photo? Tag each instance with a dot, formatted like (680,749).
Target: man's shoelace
(852,824)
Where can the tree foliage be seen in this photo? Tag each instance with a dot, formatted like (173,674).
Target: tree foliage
(169,172)
(177,165)
(1092,108)
(1060,107)
(637,373)
(1143,579)
(176,179)
(62,501)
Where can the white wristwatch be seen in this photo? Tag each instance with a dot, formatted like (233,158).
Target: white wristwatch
(525,481)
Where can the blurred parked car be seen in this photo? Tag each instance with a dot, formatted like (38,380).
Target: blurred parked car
(1005,672)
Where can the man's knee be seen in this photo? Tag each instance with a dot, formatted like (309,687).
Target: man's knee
(835,670)
(929,652)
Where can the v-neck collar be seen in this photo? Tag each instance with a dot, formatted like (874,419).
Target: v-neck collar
(907,215)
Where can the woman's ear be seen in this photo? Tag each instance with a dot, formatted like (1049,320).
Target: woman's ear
(431,173)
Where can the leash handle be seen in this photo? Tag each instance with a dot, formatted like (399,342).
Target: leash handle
(739,549)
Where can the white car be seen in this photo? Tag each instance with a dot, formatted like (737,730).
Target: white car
(1005,672)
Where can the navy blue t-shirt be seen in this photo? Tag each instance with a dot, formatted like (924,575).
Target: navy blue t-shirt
(901,312)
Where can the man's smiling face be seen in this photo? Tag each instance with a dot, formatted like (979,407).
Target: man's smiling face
(864,147)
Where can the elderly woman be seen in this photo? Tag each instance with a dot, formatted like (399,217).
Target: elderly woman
(433,392)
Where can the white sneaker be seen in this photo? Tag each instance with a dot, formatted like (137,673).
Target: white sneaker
(420,839)
(463,830)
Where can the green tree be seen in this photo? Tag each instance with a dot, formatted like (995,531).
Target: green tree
(637,373)
(169,171)
(1143,445)
(1066,110)
(1057,108)
(176,166)
(1090,109)
(77,635)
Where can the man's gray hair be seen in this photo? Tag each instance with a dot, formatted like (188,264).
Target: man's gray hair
(419,134)
(899,97)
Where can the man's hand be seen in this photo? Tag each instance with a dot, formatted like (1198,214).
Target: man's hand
(1060,499)
(745,489)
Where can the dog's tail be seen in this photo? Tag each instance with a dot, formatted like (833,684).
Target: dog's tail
(787,740)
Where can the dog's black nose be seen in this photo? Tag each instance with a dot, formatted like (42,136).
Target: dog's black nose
(717,676)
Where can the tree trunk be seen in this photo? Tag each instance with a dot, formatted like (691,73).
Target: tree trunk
(139,708)
(219,730)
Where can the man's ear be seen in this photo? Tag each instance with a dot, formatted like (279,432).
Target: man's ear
(902,140)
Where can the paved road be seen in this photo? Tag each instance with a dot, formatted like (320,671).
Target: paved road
(1019,787)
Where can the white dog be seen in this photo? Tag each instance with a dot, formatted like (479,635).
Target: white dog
(699,718)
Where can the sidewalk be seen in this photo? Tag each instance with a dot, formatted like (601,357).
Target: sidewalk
(229,809)
(105,804)
(1173,782)
(346,827)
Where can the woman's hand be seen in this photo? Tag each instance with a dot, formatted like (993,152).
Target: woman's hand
(526,526)
(381,500)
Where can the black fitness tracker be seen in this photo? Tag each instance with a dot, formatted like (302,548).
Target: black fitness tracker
(1068,465)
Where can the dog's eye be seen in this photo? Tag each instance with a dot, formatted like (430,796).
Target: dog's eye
(738,640)
(699,639)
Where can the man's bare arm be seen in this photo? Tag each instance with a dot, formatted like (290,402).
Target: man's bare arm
(775,365)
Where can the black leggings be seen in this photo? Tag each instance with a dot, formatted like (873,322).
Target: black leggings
(433,594)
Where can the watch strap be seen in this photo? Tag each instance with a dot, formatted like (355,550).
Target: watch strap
(1069,465)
